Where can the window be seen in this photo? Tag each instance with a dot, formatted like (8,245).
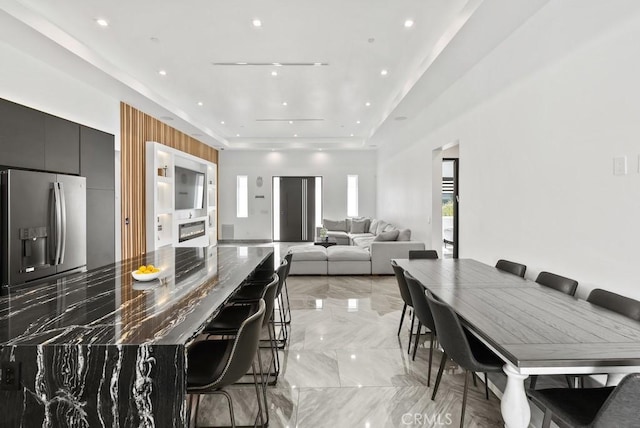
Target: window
(352,196)
(242,196)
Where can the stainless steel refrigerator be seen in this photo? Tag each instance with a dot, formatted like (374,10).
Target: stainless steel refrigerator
(43,226)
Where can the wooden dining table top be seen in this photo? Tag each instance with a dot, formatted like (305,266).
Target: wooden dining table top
(529,325)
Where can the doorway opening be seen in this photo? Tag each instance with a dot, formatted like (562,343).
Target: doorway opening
(297,208)
(449,207)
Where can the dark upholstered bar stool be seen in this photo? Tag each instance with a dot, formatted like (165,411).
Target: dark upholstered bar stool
(461,346)
(607,407)
(406,297)
(214,364)
(288,258)
(423,254)
(511,267)
(557,282)
(422,310)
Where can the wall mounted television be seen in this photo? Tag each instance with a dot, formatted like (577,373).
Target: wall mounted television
(189,189)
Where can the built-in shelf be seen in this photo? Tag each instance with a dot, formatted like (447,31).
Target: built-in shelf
(163,220)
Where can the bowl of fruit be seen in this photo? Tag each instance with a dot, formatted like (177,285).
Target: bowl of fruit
(146,273)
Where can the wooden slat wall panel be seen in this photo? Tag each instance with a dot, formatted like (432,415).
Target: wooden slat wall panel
(136,128)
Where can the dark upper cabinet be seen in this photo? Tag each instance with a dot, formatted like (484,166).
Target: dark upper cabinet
(22,133)
(62,145)
(97,158)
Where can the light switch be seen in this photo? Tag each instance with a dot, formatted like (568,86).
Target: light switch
(620,165)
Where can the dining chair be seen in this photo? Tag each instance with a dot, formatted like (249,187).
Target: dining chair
(511,267)
(213,365)
(406,298)
(289,258)
(605,407)
(557,282)
(462,347)
(423,254)
(626,306)
(422,311)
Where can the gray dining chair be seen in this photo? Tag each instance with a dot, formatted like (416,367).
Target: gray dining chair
(423,254)
(511,267)
(406,298)
(423,312)
(606,407)
(462,347)
(557,282)
(626,306)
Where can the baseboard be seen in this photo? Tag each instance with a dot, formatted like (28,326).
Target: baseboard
(245,241)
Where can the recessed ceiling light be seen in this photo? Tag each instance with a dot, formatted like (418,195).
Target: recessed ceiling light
(162,72)
(295,135)
(277,64)
(200,103)
(290,122)
(367,104)
(384,72)
(408,23)
(274,73)
(351,135)
(102,22)
(358,122)
(317,63)
(241,63)
(284,103)
(237,135)
(222,122)
(256,23)
(320,149)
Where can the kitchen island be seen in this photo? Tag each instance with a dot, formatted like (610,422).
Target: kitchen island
(99,349)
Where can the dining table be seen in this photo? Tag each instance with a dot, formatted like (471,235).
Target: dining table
(535,330)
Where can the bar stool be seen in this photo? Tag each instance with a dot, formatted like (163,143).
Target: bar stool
(215,364)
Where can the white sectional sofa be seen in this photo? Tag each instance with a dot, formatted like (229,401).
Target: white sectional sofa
(367,248)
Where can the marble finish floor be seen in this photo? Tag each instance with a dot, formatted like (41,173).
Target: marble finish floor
(346,367)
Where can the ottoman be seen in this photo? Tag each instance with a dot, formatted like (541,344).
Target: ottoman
(348,260)
(308,260)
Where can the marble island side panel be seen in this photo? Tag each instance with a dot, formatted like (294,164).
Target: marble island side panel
(100,349)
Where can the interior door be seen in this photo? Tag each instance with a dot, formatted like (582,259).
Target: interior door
(297,209)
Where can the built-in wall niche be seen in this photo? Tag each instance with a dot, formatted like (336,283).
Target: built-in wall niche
(181,190)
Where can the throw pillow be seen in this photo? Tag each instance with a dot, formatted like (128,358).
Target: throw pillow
(381,225)
(392,235)
(358,226)
(404,235)
(389,227)
(373,226)
(339,225)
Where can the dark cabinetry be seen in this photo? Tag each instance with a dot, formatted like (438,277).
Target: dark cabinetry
(35,140)
(97,158)
(61,145)
(21,136)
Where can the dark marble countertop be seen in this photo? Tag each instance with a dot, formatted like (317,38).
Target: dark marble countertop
(106,306)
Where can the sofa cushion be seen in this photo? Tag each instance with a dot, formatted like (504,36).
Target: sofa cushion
(381,225)
(359,226)
(339,225)
(391,235)
(345,253)
(308,253)
(363,241)
(373,226)
(337,234)
(389,227)
(404,235)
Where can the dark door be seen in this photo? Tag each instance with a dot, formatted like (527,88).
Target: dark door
(450,207)
(297,208)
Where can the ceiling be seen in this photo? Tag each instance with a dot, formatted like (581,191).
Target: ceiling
(313,77)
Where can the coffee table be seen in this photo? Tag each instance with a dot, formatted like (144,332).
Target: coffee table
(326,242)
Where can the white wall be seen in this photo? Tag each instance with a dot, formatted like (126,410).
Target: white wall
(539,121)
(333,166)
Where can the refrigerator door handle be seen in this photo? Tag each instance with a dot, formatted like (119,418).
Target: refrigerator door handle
(63,222)
(57,226)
